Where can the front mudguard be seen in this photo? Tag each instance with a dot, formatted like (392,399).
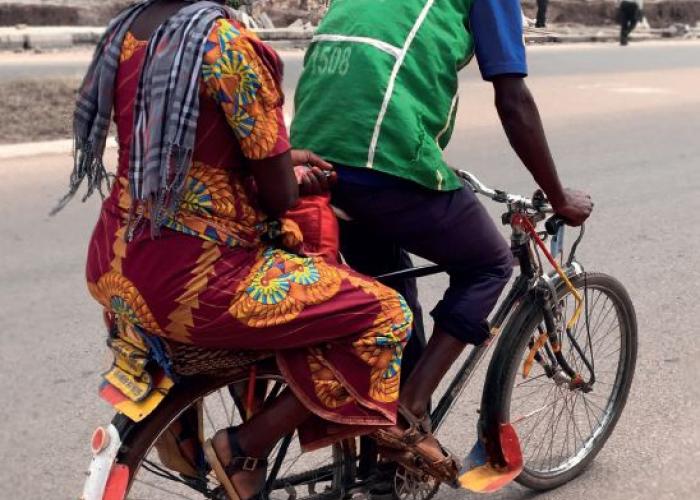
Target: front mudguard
(502,451)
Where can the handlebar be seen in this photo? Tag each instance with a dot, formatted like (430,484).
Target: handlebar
(554,224)
(538,205)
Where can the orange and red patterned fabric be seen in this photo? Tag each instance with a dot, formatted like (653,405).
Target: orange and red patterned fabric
(211,280)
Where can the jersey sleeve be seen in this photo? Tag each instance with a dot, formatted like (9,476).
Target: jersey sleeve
(244,76)
(497,27)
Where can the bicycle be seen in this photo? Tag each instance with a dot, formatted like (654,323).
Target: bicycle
(551,368)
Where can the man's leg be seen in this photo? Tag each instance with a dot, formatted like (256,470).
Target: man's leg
(633,18)
(629,20)
(452,229)
(622,15)
(541,20)
(373,255)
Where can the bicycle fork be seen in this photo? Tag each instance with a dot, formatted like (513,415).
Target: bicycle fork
(549,340)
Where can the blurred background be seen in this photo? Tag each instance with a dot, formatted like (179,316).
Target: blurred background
(623,123)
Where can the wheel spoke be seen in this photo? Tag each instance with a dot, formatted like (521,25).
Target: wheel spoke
(531,379)
(553,431)
(538,421)
(315,477)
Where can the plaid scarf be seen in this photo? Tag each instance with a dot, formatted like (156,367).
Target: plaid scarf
(93,108)
(165,115)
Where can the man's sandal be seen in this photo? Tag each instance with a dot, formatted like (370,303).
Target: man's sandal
(412,448)
(239,463)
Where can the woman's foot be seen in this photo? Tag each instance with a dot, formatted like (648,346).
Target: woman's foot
(179,448)
(245,474)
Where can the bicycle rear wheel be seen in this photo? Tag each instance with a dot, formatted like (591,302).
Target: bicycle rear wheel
(561,425)
(291,475)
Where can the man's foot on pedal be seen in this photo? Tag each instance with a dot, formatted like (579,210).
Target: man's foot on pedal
(411,444)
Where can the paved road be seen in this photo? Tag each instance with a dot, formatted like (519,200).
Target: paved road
(619,127)
(548,60)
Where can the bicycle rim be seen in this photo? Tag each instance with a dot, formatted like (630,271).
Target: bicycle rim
(561,426)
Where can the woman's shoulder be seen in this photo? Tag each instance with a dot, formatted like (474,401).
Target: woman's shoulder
(234,49)
(227,35)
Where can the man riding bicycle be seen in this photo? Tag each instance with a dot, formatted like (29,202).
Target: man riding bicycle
(378,98)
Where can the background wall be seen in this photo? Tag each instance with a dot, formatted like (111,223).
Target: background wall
(659,13)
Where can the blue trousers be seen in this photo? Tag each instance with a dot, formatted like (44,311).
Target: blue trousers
(393,217)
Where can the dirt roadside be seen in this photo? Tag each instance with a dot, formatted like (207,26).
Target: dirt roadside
(659,13)
(36,110)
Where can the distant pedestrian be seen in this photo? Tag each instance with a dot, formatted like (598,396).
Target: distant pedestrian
(629,14)
(541,13)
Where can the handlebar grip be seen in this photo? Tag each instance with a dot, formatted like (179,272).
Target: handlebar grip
(554,224)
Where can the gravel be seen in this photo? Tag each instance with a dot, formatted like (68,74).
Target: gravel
(36,110)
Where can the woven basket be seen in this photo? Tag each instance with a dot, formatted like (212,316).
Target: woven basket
(188,360)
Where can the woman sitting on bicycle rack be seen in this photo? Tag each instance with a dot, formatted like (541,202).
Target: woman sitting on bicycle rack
(191,245)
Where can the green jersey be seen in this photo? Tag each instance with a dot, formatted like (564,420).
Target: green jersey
(379,88)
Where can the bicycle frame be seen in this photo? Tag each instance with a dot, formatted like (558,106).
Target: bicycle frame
(518,291)
(526,283)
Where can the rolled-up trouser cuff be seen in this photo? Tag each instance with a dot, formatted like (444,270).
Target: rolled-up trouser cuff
(464,330)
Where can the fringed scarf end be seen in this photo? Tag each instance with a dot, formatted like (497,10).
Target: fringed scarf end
(87,164)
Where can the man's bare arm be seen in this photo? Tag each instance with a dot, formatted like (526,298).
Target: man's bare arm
(523,126)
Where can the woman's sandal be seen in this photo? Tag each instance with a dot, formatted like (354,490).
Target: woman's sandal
(412,448)
(179,448)
(239,463)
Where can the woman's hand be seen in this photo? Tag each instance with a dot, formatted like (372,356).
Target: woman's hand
(314,174)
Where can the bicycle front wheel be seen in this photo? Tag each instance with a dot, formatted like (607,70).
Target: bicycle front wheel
(562,421)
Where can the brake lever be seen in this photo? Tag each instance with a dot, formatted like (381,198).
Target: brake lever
(539,200)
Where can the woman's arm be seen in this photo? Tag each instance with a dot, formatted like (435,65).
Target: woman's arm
(277,186)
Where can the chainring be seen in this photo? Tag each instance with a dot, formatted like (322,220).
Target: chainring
(410,486)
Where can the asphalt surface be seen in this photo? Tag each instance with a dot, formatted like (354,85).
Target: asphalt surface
(547,60)
(623,124)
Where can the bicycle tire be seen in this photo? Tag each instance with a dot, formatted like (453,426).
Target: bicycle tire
(496,401)
(138,439)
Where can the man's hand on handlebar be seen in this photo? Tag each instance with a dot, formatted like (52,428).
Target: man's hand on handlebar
(574,207)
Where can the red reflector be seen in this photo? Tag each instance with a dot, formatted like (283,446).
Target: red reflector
(100,440)
(117,482)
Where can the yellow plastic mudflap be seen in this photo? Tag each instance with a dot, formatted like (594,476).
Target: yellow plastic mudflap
(135,388)
(128,372)
(142,409)
(130,387)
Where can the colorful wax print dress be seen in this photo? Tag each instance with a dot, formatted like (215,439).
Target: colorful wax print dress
(210,279)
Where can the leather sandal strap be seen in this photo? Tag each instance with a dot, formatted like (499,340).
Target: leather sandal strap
(417,425)
(244,464)
(239,459)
